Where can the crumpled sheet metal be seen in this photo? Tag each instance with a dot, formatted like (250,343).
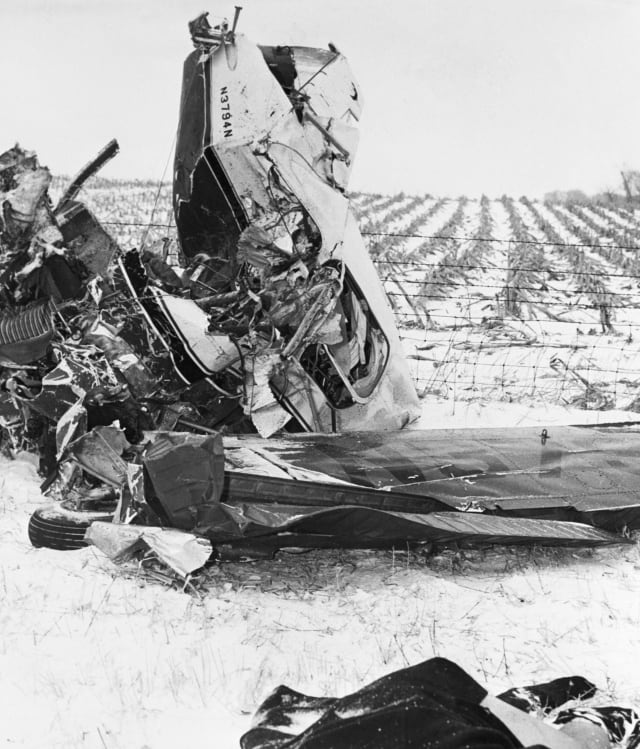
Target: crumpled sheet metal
(279,304)
(365,527)
(182,552)
(276,512)
(277,203)
(33,255)
(99,452)
(131,500)
(62,387)
(213,353)
(20,204)
(72,423)
(185,475)
(121,356)
(266,413)
(86,237)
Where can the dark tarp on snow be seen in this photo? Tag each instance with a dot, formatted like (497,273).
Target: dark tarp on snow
(434,703)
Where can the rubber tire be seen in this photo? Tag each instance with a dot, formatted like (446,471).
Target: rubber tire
(61,528)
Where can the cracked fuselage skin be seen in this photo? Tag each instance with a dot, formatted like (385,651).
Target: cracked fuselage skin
(266,140)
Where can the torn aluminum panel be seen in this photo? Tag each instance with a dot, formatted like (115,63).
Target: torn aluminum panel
(85,237)
(71,424)
(275,512)
(99,453)
(260,403)
(211,353)
(278,526)
(121,356)
(184,477)
(60,389)
(34,264)
(182,552)
(22,203)
(266,142)
(587,474)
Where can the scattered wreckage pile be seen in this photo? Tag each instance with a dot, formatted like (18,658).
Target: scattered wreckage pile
(97,381)
(123,371)
(83,376)
(131,452)
(116,364)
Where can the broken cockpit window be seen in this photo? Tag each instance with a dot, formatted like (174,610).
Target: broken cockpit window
(349,370)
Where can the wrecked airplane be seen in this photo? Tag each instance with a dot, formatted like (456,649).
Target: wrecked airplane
(148,388)
(265,147)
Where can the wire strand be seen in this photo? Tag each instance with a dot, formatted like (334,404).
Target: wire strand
(415,235)
(464,321)
(503,241)
(567,305)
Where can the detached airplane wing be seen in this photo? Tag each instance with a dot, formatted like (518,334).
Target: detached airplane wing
(571,485)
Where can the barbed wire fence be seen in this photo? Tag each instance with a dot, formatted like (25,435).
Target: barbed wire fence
(567,334)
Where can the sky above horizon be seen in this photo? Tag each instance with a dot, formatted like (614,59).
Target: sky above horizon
(461,96)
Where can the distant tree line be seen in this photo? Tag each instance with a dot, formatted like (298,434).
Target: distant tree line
(628,193)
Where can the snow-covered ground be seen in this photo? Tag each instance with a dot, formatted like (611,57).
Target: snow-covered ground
(92,655)
(95,656)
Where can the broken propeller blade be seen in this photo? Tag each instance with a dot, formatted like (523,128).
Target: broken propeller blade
(88,170)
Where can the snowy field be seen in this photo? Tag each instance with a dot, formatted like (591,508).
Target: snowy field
(92,655)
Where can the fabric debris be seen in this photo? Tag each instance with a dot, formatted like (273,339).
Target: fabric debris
(436,703)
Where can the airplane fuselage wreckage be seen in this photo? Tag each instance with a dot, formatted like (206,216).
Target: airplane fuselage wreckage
(253,395)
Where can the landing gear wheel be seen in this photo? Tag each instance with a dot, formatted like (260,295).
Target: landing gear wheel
(61,527)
